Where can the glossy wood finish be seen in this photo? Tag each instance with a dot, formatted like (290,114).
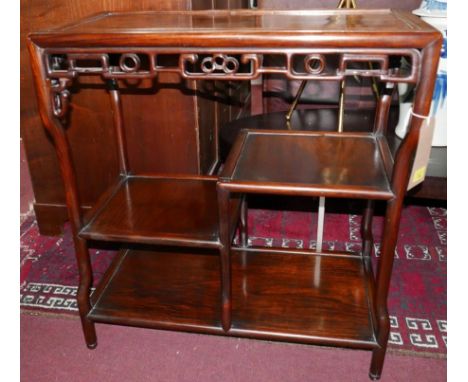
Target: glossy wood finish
(435,184)
(267,164)
(158,210)
(323,119)
(321,299)
(277,295)
(162,289)
(355,120)
(268,28)
(400,177)
(408,5)
(276,92)
(68,173)
(357,165)
(313,163)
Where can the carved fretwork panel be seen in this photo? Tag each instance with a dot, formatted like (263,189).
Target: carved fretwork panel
(63,66)
(233,64)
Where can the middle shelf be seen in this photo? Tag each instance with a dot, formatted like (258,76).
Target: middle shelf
(157,210)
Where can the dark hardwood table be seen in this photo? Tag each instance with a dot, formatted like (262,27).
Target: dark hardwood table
(178,268)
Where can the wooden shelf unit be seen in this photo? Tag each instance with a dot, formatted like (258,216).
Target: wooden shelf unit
(178,268)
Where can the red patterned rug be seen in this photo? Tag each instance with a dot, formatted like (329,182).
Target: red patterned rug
(418,294)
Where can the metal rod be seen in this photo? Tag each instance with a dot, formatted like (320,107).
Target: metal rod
(341,105)
(347,4)
(321,220)
(318,259)
(296,100)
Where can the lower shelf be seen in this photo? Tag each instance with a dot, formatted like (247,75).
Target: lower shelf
(173,290)
(278,296)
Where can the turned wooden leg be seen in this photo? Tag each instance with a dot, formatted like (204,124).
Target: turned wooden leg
(366,228)
(384,272)
(84,288)
(225,239)
(244,237)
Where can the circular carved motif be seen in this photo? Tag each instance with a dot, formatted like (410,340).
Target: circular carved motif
(129,62)
(314,63)
(207,65)
(219,62)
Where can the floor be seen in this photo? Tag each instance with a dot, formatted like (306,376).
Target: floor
(52,349)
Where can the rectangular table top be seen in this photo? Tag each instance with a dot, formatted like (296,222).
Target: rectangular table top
(244,28)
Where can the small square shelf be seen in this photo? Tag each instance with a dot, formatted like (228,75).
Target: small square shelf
(308,163)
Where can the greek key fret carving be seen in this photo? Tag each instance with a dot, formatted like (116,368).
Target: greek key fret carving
(128,66)
(380,59)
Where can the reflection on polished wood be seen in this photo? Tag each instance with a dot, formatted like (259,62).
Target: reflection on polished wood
(161,289)
(323,119)
(241,22)
(155,210)
(276,295)
(301,295)
(355,120)
(339,164)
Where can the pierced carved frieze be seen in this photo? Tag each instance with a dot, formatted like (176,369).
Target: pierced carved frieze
(109,66)
(63,66)
(311,64)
